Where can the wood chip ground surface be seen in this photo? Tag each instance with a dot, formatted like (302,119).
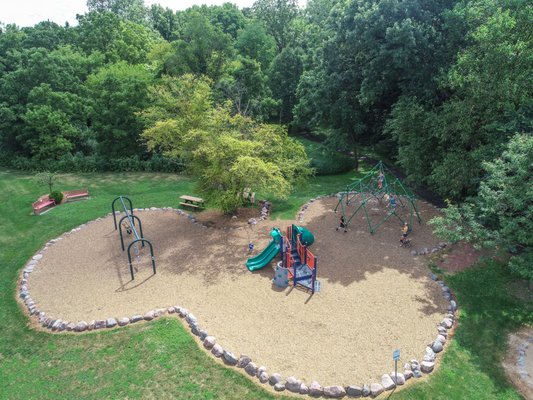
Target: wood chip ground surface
(375,297)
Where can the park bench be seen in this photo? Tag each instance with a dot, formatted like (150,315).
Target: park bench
(73,195)
(191,201)
(44,203)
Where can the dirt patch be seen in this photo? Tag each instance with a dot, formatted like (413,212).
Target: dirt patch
(375,297)
(460,256)
(217,219)
(518,364)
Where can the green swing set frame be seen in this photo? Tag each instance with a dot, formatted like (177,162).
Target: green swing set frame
(376,184)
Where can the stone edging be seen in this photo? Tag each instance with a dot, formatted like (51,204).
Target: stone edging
(414,368)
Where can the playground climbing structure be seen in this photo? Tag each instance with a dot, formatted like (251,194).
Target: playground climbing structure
(300,262)
(382,185)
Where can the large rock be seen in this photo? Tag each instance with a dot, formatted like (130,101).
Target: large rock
(453,305)
(99,324)
(263,377)
(441,338)
(123,321)
(275,378)
(447,323)
(243,361)
(426,366)
(408,374)
(354,391)
(304,389)
(387,382)
(149,316)
(209,342)
(80,326)
(315,389)
(217,350)
(366,390)
(279,387)
(437,346)
(293,384)
(335,392)
(110,322)
(251,368)
(429,355)
(229,358)
(376,389)
(398,379)
(136,318)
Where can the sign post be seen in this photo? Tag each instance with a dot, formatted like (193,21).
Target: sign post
(396,357)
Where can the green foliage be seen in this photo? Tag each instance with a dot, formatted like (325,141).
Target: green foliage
(117,39)
(278,17)
(284,74)
(118,92)
(226,153)
(56,196)
(201,49)
(47,178)
(488,94)
(325,160)
(245,85)
(254,42)
(502,212)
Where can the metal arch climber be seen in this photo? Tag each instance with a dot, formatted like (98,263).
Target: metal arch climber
(138,238)
(378,183)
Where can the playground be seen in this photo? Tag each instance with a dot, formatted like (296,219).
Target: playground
(375,296)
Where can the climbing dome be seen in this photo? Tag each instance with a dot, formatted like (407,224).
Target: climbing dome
(378,186)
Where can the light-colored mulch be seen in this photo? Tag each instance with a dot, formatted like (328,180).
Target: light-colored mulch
(375,296)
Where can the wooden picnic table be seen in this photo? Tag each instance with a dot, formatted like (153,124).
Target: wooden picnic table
(191,201)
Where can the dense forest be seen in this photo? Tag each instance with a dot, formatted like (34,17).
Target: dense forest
(442,87)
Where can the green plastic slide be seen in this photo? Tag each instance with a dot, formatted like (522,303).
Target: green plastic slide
(263,259)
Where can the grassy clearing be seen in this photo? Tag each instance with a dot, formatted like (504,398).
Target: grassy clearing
(160,359)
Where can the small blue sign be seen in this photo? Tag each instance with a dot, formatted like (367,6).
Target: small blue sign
(396,355)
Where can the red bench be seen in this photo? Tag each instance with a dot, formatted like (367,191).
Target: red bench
(43,204)
(72,195)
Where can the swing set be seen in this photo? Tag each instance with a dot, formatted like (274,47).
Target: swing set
(130,228)
(380,184)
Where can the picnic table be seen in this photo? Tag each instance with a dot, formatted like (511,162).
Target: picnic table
(191,201)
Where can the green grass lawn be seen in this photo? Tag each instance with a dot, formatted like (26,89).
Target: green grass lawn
(160,359)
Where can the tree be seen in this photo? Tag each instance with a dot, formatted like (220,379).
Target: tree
(163,20)
(254,42)
(277,16)
(226,153)
(284,74)
(115,38)
(47,178)
(128,10)
(488,99)
(118,92)
(202,49)
(245,85)
(501,215)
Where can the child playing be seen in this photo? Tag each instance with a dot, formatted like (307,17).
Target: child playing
(250,247)
(342,224)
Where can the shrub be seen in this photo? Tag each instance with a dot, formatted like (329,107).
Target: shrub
(57,196)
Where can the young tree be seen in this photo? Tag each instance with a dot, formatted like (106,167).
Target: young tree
(226,153)
(46,178)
